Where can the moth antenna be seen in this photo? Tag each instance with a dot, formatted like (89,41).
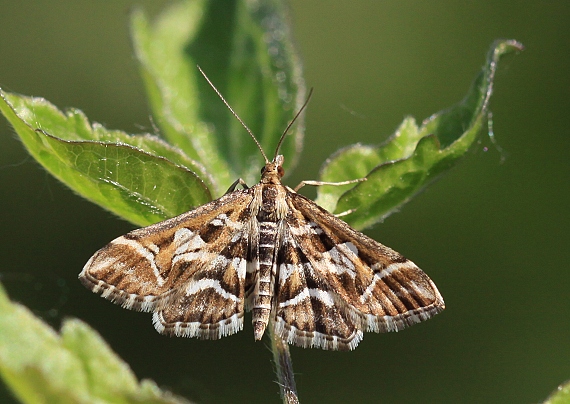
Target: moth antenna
(235,114)
(293,121)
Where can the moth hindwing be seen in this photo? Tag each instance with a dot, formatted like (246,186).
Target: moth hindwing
(271,251)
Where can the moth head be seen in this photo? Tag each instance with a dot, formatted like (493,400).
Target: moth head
(272,171)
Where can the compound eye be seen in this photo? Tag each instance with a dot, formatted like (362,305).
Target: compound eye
(262,170)
(280,171)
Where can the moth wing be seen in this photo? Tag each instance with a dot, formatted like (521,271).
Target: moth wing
(373,286)
(210,305)
(151,267)
(306,313)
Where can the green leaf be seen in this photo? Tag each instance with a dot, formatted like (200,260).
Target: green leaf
(246,50)
(76,366)
(561,395)
(140,178)
(411,158)
(144,179)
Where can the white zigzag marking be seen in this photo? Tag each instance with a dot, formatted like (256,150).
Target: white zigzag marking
(324,297)
(381,275)
(223,220)
(143,252)
(195,287)
(187,240)
(336,260)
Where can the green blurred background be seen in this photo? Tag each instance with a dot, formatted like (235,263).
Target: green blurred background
(493,233)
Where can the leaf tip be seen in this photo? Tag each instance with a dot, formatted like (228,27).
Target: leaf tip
(503,46)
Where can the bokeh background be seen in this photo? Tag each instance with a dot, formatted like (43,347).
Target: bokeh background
(493,233)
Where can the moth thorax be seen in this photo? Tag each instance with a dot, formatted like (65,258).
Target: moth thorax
(268,210)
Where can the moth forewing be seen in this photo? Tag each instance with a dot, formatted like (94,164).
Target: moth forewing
(341,282)
(152,268)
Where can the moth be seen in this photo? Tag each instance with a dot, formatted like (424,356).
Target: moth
(268,250)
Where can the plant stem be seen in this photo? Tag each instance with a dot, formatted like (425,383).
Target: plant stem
(283,368)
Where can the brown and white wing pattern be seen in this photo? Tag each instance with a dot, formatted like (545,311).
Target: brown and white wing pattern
(335,282)
(307,312)
(190,270)
(267,249)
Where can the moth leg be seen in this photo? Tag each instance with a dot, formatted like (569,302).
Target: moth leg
(346,212)
(232,187)
(319,183)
